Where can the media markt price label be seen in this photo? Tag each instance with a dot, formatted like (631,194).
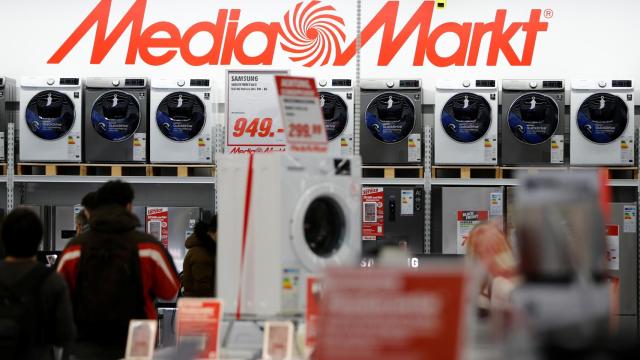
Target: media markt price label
(253,115)
(302,114)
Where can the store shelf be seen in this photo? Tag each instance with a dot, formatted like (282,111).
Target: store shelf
(3,179)
(102,179)
(393,181)
(474,182)
(515,182)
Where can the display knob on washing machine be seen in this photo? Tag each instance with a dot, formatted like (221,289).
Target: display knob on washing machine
(50,81)
(116,82)
(602,83)
(390,84)
(466,83)
(181,83)
(533,84)
(323,83)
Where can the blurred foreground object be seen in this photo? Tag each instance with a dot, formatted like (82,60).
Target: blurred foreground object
(560,235)
(393,313)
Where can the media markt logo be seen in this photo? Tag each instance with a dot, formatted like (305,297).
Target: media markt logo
(312,34)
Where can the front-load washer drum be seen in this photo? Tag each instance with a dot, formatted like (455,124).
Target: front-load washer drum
(466,117)
(335,113)
(324,226)
(390,117)
(181,116)
(602,118)
(50,115)
(115,116)
(533,118)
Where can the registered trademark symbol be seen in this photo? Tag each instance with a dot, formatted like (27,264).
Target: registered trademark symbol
(548,13)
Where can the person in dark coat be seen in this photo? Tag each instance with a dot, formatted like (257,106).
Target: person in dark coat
(199,267)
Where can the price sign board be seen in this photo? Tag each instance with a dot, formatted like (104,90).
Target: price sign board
(302,114)
(198,326)
(392,313)
(253,120)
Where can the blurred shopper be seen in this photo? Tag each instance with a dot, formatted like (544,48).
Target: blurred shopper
(199,267)
(89,203)
(35,308)
(488,245)
(82,222)
(114,273)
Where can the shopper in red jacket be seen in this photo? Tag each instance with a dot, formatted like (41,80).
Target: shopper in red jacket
(114,273)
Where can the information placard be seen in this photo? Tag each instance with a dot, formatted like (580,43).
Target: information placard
(302,114)
(253,120)
(392,313)
(198,326)
(141,340)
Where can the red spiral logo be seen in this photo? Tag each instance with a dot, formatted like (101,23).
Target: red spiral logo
(313,33)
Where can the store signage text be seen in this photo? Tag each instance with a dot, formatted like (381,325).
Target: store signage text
(322,43)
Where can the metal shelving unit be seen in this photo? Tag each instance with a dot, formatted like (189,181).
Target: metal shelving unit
(102,179)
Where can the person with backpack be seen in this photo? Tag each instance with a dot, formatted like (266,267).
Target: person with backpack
(115,273)
(35,308)
(199,279)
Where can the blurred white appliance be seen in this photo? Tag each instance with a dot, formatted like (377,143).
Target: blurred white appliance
(181,129)
(466,122)
(602,123)
(50,126)
(303,215)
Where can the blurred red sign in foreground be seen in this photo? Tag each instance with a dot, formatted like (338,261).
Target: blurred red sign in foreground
(392,313)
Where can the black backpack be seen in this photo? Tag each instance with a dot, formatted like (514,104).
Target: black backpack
(109,289)
(20,313)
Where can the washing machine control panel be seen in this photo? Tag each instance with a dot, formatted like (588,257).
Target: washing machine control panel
(621,83)
(485,83)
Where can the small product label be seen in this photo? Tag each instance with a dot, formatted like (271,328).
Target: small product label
(613,247)
(630,216)
(557,149)
(74,146)
(406,197)
(495,204)
(467,220)
(346,145)
(626,150)
(139,147)
(414,145)
(2,155)
(490,151)
(290,289)
(204,147)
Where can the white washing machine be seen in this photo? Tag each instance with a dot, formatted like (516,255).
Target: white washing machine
(301,214)
(466,122)
(602,123)
(336,100)
(50,126)
(182,126)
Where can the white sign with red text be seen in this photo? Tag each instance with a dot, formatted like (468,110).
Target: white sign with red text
(158,224)
(302,114)
(253,116)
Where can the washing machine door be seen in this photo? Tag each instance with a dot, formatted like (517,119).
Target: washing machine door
(321,229)
(181,116)
(533,118)
(466,117)
(390,117)
(335,113)
(50,115)
(115,115)
(602,118)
